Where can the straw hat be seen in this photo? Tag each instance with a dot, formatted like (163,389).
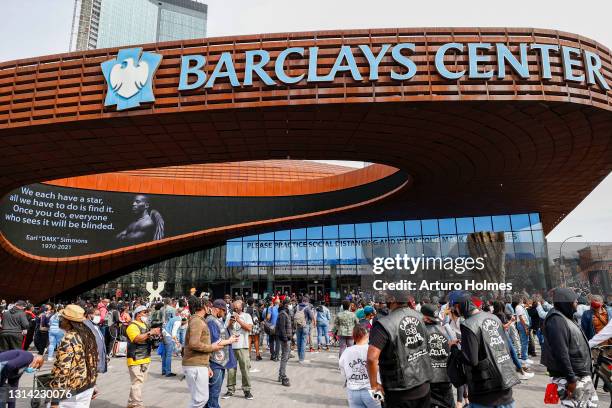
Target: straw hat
(73,313)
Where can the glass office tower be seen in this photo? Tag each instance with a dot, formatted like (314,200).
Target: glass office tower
(328,262)
(115,23)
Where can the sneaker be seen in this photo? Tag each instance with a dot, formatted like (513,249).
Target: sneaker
(286,382)
(258,358)
(248,395)
(254,370)
(170,375)
(304,362)
(529,361)
(525,362)
(227,395)
(525,375)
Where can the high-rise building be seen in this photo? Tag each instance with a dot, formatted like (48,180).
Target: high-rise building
(114,23)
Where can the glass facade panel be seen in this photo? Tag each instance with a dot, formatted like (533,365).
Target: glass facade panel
(396,228)
(347,231)
(520,222)
(465,225)
(430,227)
(447,226)
(330,231)
(314,233)
(413,228)
(501,223)
(363,231)
(298,233)
(534,219)
(482,224)
(379,229)
(334,256)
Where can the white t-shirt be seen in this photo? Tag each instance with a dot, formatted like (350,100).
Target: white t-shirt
(353,366)
(235,328)
(521,311)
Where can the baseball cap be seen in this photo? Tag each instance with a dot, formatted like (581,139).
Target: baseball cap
(140,309)
(368,310)
(429,310)
(457,296)
(219,304)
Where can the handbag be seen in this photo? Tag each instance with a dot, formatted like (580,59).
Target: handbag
(269,328)
(120,349)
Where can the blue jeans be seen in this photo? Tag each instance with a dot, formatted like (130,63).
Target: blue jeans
(361,399)
(215,383)
(181,335)
(167,357)
(54,339)
(513,354)
(472,405)
(540,336)
(322,333)
(302,334)
(524,340)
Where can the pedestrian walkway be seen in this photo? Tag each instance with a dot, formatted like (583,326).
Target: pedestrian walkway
(314,385)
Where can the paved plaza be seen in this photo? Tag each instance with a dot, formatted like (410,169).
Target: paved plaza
(316,384)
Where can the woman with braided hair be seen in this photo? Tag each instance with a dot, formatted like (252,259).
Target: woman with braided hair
(76,363)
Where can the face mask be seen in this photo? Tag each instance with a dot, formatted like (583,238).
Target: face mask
(596,305)
(144,319)
(96,319)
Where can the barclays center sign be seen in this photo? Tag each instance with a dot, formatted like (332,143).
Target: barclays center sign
(130,76)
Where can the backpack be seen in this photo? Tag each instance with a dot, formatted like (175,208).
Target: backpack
(455,368)
(300,318)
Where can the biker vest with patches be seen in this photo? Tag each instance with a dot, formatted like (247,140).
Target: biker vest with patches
(405,363)
(497,371)
(439,351)
(220,357)
(137,351)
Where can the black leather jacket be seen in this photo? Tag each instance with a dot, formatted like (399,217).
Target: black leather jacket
(284,328)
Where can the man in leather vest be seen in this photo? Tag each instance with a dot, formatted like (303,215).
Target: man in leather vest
(488,365)
(566,352)
(139,354)
(399,349)
(439,350)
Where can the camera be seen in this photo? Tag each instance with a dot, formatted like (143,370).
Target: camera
(155,339)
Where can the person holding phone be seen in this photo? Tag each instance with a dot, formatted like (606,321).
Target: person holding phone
(222,359)
(240,324)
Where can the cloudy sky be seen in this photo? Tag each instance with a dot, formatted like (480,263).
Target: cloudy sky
(37,27)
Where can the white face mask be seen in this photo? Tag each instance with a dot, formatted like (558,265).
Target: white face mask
(96,319)
(144,319)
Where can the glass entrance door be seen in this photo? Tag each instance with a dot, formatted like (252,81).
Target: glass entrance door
(282,289)
(316,292)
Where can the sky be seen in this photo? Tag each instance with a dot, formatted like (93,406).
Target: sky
(43,27)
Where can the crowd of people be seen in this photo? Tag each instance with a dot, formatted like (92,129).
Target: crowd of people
(393,351)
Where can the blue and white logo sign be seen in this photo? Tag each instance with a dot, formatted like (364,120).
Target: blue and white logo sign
(130,78)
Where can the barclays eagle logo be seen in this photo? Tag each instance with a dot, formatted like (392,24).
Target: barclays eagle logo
(130,78)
